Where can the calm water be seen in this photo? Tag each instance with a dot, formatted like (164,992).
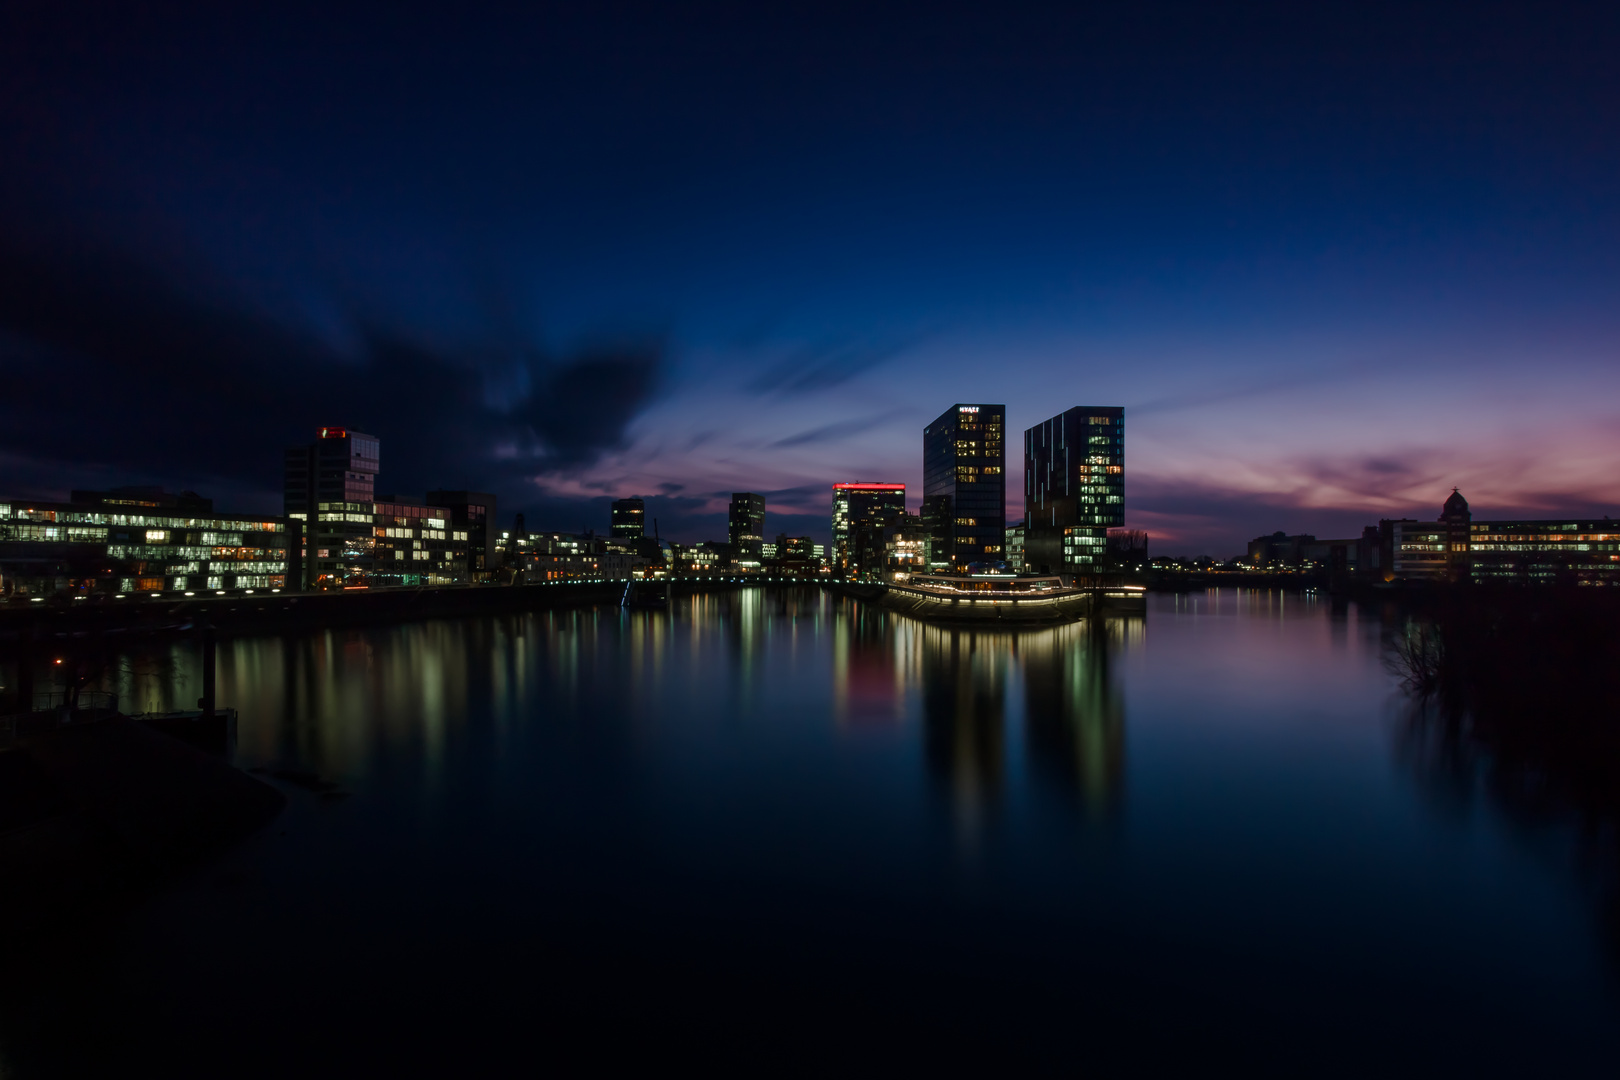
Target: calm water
(768,829)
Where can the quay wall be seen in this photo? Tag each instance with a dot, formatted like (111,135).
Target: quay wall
(275,612)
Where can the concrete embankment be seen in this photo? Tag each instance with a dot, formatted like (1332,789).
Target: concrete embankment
(88,809)
(295,611)
(273,612)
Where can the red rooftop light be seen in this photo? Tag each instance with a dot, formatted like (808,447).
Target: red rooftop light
(869,487)
(333,433)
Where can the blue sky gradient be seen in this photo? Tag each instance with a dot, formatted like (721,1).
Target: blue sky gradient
(1332,259)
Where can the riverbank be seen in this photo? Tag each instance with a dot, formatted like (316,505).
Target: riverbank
(293,611)
(93,808)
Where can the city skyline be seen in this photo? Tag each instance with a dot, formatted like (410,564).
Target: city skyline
(1323,276)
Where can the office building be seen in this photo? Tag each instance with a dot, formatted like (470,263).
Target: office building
(1280,550)
(1074,489)
(136,540)
(531,558)
(395,540)
(795,547)
(905,545)
(860,504)
(965,488)
(1356,555)
(1517,551)
(629,519)
(795,557)
(340,466)
(747,528)
(1015,547)
(706,556)
(472,512)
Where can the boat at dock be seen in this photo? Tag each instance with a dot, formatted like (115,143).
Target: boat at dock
(1005,598)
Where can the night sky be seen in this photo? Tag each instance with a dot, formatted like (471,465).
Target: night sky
(1333,259)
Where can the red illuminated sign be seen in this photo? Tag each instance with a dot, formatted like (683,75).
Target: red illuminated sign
(333,433)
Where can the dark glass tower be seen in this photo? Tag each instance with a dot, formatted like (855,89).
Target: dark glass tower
(965,488)
(747,526)
(340,466)
(629,519)
(1074,489)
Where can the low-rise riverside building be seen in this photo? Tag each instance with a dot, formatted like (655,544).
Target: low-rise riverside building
(1360,555)
(1566,551)
(136,540)
(391,542)
(555,556)
(1583,551)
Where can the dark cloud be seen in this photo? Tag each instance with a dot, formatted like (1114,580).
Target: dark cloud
(145,369)
(582,406)
(671,489)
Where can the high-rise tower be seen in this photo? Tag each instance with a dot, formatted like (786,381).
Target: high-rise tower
(629,519)
(1074,489)
(965,487)
(746,527)
(339,467)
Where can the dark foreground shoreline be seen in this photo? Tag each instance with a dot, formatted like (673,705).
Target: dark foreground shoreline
(93,808)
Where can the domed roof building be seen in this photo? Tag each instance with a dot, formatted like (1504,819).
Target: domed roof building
(1455,509)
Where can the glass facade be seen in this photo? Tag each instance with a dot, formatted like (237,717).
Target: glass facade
(1015,547)
(1419,549)
(123,547)
(858,505)
(340,466)
(1074,489)
(965,488)
(362,545)
(746,528)
(629,519)
(472,512)
(1544,552)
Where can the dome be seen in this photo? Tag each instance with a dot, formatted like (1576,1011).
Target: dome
(1456,507)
